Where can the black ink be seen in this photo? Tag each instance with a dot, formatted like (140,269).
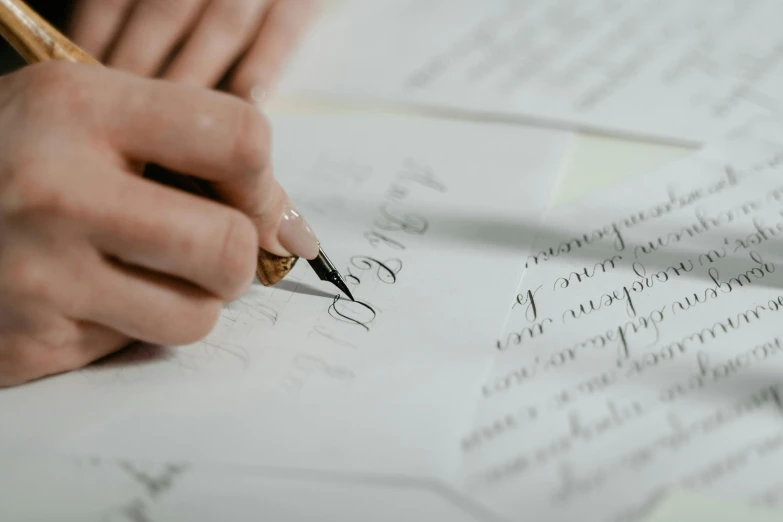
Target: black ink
(686,303)
(515,377)
(375,238)
(643,283)
(155,486)
(775,195)
(702,225)
(762,234)
(663,276)
(347,312)
(558,446)
(725,217)
(740,280)
(712,256)
(386,271)
(394,217)
(729,367)
(617,337)
(421,174)
(352,278)
(529,299)
(499,427)
(410,223)
(516,338)
(606,300)
(776,395)
(136,511)
(702,337)
(611,232)
(397,192)
(564,282)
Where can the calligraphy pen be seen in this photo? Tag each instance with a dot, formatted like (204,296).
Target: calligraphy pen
(37,41)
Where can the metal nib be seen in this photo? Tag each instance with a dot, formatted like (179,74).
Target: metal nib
(337,280)
(326,271)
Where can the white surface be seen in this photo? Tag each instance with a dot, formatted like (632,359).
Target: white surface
(86,489)
(282,383)
(667,69)
(617,399)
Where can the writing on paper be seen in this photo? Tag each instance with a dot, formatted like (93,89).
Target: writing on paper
(641,341)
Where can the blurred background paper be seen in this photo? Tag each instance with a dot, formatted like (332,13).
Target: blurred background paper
(665,69)
(686,506)
(53,488)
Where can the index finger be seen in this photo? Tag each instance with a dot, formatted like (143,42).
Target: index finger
(212,136)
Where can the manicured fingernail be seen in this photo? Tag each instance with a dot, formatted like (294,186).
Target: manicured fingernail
(296,236)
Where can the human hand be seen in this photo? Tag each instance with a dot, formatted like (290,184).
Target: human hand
(195,41)
(92,255)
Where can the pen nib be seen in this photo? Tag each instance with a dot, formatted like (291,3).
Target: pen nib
(326,271)
(336,279)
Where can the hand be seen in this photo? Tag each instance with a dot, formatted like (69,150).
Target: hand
(195,41)
(92,255)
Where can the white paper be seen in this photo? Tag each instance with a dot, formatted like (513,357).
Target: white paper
(284,383)
(440,405)
(636,368)
(45,487)
(669,69)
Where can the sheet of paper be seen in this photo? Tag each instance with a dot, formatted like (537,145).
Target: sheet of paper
(429,221)
(686,506)
(644,350)
(668,69)
(53,488)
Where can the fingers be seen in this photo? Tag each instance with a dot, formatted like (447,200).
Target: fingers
(150,33)
(141,222)
(145,37)
(58,276)
(189,130)
(214,137)
(27,356)
(223,32)
(171,232)
(131,120)
(72,306)
(95,22)
(78,286)
(283,26)
(151,307)
(47,279)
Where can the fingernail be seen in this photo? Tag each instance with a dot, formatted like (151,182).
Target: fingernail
(296,236)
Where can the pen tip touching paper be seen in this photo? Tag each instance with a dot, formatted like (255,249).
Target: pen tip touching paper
(339,282)
(326,271)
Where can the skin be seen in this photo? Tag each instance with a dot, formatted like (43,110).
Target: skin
(92,255)
(241,44)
